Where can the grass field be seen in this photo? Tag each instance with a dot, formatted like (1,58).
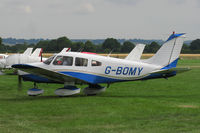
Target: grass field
(153,106)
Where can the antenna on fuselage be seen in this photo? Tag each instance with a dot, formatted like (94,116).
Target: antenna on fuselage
(110,53)
(80,49)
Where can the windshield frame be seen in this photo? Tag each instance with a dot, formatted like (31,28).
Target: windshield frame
(49,60)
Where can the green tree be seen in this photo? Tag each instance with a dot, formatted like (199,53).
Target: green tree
(89,47)
(127,47)
(185,49)
(55,45)
(18,48)
(63,42)
(195,45)
(99,48)
(43,44)
(77,46)
(152,48)
(111,44)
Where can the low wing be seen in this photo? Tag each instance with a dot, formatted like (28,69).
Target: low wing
(49,74)
(177,70)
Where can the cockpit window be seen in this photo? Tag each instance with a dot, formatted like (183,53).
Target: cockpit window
(81,61)
(48,61)
(95,63)
(63,60)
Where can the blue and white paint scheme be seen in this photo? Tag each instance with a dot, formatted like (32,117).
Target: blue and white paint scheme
(70,68)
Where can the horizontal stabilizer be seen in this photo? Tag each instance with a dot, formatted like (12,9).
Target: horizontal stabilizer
(177,70)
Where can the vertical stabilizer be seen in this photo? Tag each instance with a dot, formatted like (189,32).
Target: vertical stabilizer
(136,53)
(28,51)
(37,52)
(169,51)
(65,50)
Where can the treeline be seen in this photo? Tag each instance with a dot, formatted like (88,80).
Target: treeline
(109,45)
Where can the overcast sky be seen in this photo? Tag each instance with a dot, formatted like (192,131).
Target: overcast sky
(99,19)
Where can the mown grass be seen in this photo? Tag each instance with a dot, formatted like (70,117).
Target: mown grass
(151,106)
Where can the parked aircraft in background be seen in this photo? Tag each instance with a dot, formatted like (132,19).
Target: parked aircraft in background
(2,61)
(3,56)
(26,57)
(71,68)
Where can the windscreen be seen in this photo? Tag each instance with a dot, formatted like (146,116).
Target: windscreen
(49,60)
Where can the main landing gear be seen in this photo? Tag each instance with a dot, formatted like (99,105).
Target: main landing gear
(69,90)
(93,89)
(35,91)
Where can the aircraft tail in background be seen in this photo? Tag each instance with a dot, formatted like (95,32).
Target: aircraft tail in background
(28,51)
(136,53)
(66,50)
(37,52)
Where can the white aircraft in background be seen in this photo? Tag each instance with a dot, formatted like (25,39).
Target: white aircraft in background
(3,56)
(2,61)
(26,57)
(71,68)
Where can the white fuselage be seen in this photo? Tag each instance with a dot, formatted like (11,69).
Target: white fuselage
(3,60)
(18,59)
(113,68)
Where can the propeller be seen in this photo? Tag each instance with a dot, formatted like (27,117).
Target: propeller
(19,82)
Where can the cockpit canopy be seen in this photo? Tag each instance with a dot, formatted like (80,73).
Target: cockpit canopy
(69,61)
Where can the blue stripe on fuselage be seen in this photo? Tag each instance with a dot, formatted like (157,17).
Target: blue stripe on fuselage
(93,79)
(90,78)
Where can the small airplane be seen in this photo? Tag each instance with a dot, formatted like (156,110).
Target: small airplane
(26,57)
(2,60)
(3,56)
(72,68)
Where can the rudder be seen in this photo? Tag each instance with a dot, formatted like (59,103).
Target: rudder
(169,51)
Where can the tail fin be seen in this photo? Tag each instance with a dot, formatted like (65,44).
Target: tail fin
(37,52)
(136,53)
(169,52)
(28,51)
